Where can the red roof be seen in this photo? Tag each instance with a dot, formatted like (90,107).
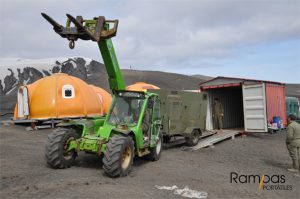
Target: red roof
(242,79)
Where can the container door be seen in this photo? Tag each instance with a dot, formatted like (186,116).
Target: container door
(254,99)
(209,121)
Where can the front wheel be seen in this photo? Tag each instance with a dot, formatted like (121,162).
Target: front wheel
(118,157)
(56,149)
(155,152)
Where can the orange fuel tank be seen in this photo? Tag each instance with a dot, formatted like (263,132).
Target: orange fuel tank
(60,96)
(141,86)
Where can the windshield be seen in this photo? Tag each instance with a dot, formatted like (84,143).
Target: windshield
(125,110)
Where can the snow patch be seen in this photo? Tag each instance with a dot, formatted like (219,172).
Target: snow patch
(25,82)
(185,192)
(40,64)
(166,187)
(13,68)
(13,88)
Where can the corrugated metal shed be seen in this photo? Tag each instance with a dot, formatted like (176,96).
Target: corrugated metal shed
(247,102)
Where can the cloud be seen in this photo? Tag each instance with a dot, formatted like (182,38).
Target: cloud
(153,34)
(176,32)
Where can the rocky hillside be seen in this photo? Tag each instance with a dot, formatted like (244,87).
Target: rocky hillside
(16,72)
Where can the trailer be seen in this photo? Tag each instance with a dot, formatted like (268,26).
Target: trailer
(183,113)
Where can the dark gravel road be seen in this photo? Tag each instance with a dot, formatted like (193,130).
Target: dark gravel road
(24,173)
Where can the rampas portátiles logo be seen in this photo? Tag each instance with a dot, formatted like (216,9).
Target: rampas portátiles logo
(265,182)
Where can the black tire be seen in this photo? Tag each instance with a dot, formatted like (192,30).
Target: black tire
(166,139)
(118,157)
(55,148)
(155,152)
(193,139)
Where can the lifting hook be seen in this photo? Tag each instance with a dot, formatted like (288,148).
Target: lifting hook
(72,44)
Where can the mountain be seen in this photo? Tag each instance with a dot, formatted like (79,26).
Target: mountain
(202,77)
(17,72)
(293,90)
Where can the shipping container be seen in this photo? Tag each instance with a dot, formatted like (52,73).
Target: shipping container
(249,105)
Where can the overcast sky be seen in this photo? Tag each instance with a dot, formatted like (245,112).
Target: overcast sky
(240,38)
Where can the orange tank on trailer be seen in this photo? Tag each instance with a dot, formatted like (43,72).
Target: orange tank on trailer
(60,96)
(141,86)
(104,96)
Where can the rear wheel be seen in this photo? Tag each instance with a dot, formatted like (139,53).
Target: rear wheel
(118,157)
(193,139)
(56,152)
(155,152)
(166,139)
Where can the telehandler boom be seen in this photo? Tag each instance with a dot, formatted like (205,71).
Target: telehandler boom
(96,30)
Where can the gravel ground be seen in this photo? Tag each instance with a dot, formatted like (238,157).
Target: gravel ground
(24,173)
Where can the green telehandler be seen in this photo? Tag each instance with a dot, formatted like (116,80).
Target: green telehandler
(132,126)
